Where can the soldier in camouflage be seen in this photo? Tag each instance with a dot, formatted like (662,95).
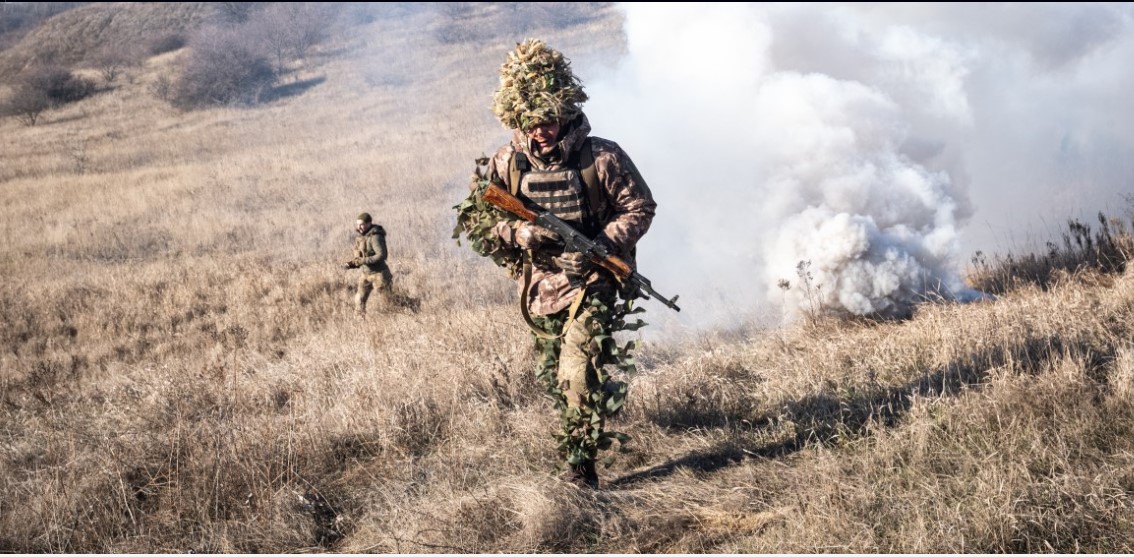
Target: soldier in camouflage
(370,256)
(592,184)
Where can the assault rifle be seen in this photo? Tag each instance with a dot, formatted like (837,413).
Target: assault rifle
(573,240)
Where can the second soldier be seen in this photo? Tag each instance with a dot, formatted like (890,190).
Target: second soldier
(370,256)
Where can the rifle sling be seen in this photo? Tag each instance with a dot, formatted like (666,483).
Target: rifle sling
(585,162)
(536,330)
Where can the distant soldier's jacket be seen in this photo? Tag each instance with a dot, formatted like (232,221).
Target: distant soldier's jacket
(624,215)
(370,250)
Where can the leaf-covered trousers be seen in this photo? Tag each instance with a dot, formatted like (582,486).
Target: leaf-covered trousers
(572,370)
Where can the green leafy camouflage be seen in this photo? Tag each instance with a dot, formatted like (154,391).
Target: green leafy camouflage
(476,219)
(536,87)
(582,430)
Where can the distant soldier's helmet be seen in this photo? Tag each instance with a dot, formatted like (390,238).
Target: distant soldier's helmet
(365,217)
(537,87)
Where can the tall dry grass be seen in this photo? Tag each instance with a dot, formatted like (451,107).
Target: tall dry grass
(180,369)
(1105,247)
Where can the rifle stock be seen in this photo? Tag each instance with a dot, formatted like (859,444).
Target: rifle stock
(497,196)
(573,240)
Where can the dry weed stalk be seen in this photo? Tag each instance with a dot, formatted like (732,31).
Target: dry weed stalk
(179,369)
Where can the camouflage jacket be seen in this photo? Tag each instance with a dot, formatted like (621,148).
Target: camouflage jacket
(370,250)
(629,210)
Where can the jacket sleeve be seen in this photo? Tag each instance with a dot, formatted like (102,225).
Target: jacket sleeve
(632,205)
(496,171)
(378,245)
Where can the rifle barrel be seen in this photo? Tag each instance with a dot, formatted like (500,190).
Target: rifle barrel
(644,284)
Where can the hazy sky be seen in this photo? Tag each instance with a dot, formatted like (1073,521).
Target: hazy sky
(881,145)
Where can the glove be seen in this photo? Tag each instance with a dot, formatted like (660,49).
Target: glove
(574,264)
(532,236)
(609,244)
(352,264)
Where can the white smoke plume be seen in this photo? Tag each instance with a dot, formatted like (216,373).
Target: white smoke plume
(841,156)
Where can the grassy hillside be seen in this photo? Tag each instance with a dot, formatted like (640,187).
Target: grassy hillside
(78,34)
(180,369)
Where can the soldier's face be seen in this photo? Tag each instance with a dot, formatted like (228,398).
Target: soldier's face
(361,226)
(544,134)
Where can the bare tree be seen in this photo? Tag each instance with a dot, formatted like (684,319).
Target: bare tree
(289,30)
(41,88)
(112,60)
(308,25)
(225,66)
(268,29)
(26,104)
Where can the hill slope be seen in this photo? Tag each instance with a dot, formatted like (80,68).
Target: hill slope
(77,35)
(180,370)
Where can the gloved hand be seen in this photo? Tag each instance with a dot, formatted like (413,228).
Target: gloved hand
(574,264)
(532,236)
(352,264)
(609,244)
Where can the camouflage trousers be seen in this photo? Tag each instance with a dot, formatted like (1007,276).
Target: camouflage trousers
(576,371)
(572,370)
(367,283)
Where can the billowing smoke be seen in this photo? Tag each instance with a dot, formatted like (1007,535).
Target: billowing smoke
(841,156)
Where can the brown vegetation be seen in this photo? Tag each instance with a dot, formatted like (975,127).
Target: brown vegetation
(17,18)
(76,35)
(42,87)
(180,369)
(1106,250)
(222,68)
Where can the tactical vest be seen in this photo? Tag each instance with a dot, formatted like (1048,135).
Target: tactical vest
(572,193)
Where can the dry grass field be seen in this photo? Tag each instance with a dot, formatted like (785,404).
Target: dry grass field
(180,368)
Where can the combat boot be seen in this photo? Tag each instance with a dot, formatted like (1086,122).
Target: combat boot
(582,475)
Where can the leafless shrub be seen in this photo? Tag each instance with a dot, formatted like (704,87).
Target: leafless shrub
(44,87)
(26,105)
(1107,250)
(162,88)
(225,67)
(112,60)
(289,29)
(59,84)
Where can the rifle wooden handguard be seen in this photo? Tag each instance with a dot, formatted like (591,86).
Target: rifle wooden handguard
(498,197)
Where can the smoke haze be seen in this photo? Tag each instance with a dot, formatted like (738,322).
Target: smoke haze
(855,156)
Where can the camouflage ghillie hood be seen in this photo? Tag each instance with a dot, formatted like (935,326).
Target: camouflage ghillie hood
(536,86)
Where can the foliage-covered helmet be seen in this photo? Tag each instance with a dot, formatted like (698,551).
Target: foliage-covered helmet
(537,87)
